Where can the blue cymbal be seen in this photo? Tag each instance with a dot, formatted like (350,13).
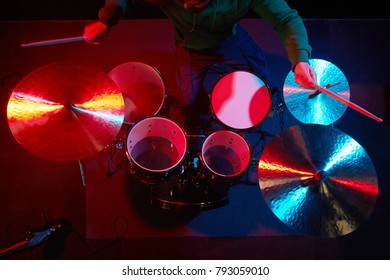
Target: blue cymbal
(310,106)
(318,180)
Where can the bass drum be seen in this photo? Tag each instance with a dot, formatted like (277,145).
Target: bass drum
(205,181)
(240,100)
(156,148)
(142,88)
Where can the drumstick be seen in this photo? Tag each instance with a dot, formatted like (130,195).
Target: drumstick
(348,103)
(55,41)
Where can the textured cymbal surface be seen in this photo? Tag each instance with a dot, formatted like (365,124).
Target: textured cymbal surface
(65,111)
(318,180)
(310,106)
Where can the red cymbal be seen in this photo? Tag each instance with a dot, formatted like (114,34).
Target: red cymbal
(65,111)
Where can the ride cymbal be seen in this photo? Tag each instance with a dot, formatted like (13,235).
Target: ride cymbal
(311,106)
(318,180)
(65,111)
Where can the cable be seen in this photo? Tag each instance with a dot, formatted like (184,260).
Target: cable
(117,145)
(117,240)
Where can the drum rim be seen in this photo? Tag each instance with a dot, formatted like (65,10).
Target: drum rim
(236,174)
(243,71)
(157,171)
(160,78)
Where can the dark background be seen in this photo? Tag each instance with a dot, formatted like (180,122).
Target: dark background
(356,45)
(87,9)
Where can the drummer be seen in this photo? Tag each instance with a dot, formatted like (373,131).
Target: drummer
(208,35)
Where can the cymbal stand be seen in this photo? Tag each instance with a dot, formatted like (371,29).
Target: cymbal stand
(82,172)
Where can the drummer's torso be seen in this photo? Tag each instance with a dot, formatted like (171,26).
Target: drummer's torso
(209,27)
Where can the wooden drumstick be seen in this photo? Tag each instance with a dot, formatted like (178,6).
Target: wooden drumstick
(55,41)
(348,103)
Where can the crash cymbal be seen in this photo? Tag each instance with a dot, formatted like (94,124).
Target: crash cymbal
(65,111)
(310,106)
(317,180)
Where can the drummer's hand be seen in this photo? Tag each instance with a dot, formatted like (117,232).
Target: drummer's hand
(95,32)
(304,75)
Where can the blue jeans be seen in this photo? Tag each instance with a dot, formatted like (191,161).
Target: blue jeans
(194,69)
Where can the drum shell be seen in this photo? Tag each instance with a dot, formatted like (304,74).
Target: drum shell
(225,156)
(143,90)
(156,148)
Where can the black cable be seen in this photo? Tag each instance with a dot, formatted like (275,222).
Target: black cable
(119,239)
(117,146)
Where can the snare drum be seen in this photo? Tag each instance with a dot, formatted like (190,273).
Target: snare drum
(241,100)
(225,156)
(156,147)
(142,87)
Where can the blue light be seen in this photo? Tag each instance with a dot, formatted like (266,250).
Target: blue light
(112,118)
(344,153)
(288,202)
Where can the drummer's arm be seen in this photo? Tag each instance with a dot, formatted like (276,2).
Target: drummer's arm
(109,15)
(112,11)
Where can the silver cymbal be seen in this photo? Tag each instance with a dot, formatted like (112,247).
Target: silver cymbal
(311,106)
(317,180)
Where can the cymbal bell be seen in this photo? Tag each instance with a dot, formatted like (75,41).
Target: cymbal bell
(317,180)
(310,106)
(65,111)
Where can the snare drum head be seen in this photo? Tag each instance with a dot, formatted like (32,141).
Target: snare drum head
(142,88)
(241,100)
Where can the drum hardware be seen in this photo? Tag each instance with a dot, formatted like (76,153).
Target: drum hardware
(276,109)
(225,156)
(318,180)
(317,92)
(156,148)
(206,178)
(118,145)
(82,172)
(190,190)
(278,104)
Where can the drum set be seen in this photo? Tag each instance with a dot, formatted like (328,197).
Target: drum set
(66,111)
(181,173)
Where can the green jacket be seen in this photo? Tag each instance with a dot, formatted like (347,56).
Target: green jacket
(210,27)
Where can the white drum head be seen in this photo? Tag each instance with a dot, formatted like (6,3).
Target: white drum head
(241,100)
